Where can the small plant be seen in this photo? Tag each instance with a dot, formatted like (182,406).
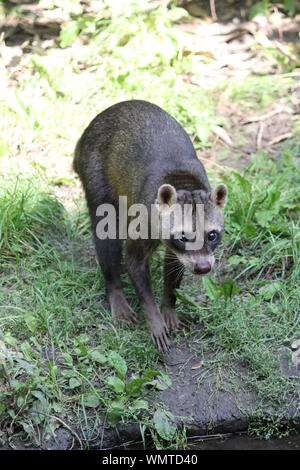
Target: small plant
(126,401)
(264,7)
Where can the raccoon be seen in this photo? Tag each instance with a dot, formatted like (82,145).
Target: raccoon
(136,149)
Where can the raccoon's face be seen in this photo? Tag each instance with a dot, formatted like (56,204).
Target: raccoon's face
(196,257)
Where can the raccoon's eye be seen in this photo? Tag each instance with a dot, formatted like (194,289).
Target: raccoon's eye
(212,236)
(183,238)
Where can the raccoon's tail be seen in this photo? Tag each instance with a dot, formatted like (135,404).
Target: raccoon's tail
(77,156)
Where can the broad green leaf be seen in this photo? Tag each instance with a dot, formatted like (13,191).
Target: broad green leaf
(20,401)
(290,6)
(91,401)
(134,386)
(25,365)
(150,373)
(41,397)
(236,260)
(259,9)
(68,358)
(73,383)
(250,230)
(116,384)
(140,405)
(118,363)
(269,290)
(97,356)
(162,382)
(119,404)
(30,321)
(243,182)
(27,351)
(53,370)
(82,347)
(27,428)
(164,424)
(211,288)
(229,289)
(39,409)
(58,408)
(68,34)
(263,217)
(116,410)
(113,416)
(9,339)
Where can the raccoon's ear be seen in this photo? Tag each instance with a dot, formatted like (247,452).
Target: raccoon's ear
(219,196)
(166,195)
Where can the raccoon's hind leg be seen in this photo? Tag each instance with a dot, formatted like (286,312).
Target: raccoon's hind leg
(173,272)
(109,253)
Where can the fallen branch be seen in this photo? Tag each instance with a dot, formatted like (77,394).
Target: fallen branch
(280,138)
(69,428)
(222,134)
(213,9)
(285,52)
(260,135)
(214,163)
(264,117)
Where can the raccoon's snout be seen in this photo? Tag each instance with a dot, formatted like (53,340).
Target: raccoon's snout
(200,263)
(202,267)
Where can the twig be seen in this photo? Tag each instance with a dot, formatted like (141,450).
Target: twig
(279,26)
(213,163)
(69,428)
(259,135)
(221,133)
(2,35)
(264,117)
(213,9)
(73,442)
(280,138)
(285,52)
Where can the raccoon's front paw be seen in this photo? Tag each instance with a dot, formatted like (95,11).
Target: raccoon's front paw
(159,334)
(121,311)
(170,318)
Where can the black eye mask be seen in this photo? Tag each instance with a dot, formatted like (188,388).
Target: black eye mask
(213,236)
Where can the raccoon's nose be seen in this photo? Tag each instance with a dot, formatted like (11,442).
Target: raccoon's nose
(202,267)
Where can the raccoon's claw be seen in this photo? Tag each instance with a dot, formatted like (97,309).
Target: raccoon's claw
(161,343)
(171,319)
(160,336)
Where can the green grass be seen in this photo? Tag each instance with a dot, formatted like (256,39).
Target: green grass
(61,356)
(56,331)
(251,312)
(62,363)
(254,92)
